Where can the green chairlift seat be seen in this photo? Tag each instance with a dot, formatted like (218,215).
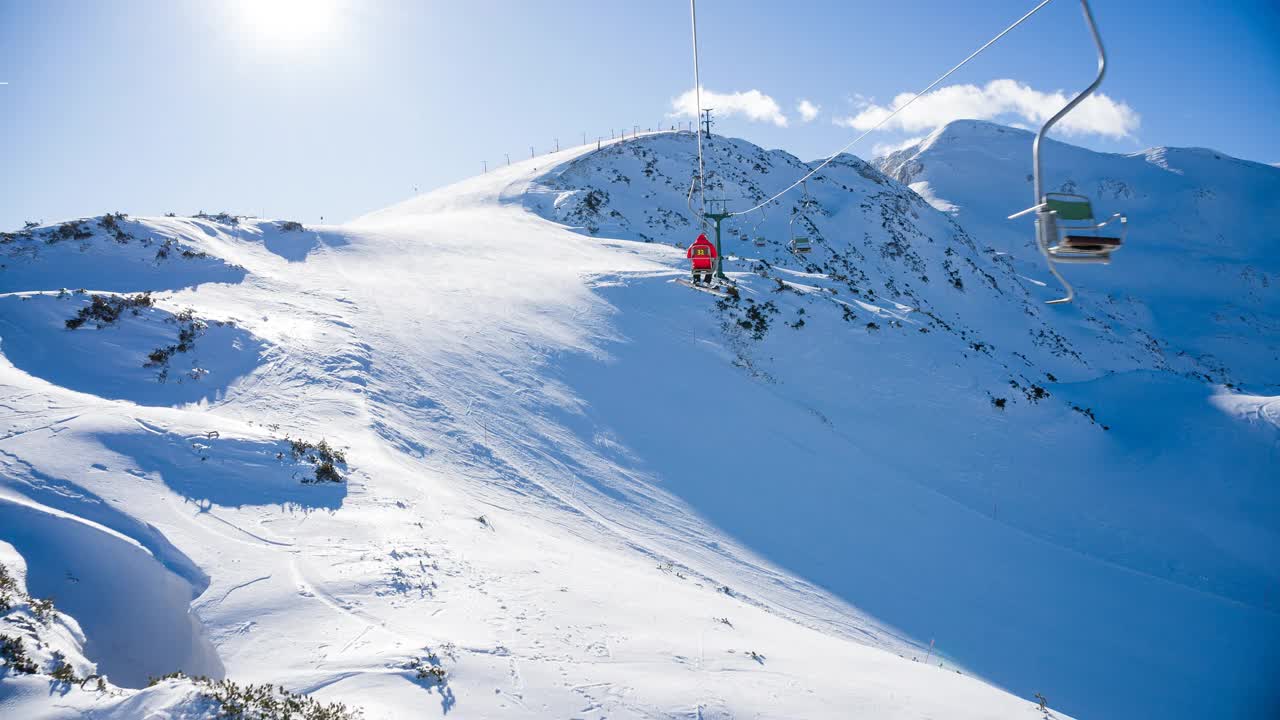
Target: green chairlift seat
(799,244)
(1073,234)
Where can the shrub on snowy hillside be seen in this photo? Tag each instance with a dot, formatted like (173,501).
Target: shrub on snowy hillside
(324,456)
(15,657)
(221,218)
(106,309)
(261,702)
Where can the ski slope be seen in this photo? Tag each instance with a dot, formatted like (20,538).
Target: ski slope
(585,490)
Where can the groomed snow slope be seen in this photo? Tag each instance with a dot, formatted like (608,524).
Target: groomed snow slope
(589,491)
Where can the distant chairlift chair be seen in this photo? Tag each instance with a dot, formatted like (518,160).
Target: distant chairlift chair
(799,243)
(755,230)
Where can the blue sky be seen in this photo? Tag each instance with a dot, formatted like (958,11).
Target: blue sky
(333,107)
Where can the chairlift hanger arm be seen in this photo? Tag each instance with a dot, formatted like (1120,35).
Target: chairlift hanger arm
(1118,216)
(1033,208)
(1102,71)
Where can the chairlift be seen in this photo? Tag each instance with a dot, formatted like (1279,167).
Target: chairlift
(756,238)
(1067,231)
(800,244)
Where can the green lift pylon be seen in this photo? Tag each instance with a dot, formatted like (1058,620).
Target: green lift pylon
(718,210)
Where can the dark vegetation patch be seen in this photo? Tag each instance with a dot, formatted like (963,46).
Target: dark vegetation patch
(13,651)
(14,655)
(189,328)
(1032,391)
(291,226)
(326,459)
(70,230)
(221,218)
(751,316)
(261,702)
(171,246)
(105,310)
(1088,412)
(111,224)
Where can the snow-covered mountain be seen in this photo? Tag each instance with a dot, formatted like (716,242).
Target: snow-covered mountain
(1200,271)
(555,483)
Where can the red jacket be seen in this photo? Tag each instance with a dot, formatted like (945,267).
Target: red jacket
(703,253)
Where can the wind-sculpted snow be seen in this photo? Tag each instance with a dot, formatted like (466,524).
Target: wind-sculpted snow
(211,470)
(146,355)
(134,612)
(110,253)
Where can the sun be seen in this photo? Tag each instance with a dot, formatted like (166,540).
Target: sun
(290,24)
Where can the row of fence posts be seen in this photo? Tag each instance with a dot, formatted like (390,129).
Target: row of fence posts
(614,134)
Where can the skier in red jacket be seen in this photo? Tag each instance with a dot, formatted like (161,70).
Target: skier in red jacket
(703,254)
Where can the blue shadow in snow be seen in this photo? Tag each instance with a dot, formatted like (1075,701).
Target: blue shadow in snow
(111,362)
(861,508)
(296,245)
(228,472)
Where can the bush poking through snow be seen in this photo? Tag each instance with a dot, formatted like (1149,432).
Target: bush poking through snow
(189,328)
(221,218)
(291,226)
(111,223)
(431,673)
(8,587)
(71,230)
(170,246)
(15,657)
(262,702)
(106,309)
(42,609)
(324,456)
(62,670)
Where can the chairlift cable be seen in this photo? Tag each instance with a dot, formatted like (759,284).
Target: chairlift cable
(878,125)
(697,117)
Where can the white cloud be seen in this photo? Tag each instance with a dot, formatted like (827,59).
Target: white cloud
(1097,115)
(752,104)
(808,111)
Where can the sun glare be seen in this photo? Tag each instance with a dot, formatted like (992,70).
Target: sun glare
(290,24)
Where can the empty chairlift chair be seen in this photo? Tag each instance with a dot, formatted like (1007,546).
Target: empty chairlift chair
(799,243)
(759,240)
(1066,229)
(1074,235)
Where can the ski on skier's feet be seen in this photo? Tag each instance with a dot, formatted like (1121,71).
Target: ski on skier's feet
(717,288)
